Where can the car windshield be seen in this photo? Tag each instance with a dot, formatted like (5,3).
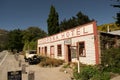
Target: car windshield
(32,52)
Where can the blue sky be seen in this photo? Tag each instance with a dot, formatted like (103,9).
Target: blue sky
(22,14)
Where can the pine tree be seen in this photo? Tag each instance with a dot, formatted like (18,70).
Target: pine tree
(53,21)
(118,13)
(79,19)
(82,19)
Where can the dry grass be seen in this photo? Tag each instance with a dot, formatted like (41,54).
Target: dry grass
(50,62)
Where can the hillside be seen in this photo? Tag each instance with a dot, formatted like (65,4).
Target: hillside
(110,26)
(3,39)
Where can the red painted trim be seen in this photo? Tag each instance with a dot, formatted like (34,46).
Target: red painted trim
(96,43)
(65,33)
(68,38)
(70,29)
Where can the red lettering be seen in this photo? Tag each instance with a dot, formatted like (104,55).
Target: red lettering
(53,38)
(72,31)
(50,39)
(62,35)
(84,32)
(67,34)
(56,37)
(47,40)
(78,31)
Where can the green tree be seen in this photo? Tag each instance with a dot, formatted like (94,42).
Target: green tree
(88,72)
(118,13)
(63,25)
(67,24)
(15,40)
(82,19)
(3,39)
(53,21)
(74,21)
(104,27)
(31,35)
(110,60)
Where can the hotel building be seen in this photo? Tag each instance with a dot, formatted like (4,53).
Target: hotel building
(79,43)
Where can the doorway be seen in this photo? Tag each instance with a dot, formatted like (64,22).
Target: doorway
(68,53)
(45,50)
(52,51)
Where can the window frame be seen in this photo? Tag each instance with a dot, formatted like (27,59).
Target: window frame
(59,50)
(83,49)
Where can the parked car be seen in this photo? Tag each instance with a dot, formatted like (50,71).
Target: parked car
(29,54)
(31,57)
(34,60)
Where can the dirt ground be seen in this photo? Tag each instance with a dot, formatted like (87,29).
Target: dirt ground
(116,78)
(39,73)
(11,64)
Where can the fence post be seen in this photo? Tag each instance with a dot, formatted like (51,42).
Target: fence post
(24,68)
(20,63)
(31,75)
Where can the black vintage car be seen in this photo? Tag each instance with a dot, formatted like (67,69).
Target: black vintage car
(34,60)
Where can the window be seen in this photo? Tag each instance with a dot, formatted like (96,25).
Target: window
(59,50)
(82,49)
(45,50)
(32,52)
(52,51)
(39,50)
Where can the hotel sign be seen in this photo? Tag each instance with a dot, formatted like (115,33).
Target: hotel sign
(68,41)
(75,32)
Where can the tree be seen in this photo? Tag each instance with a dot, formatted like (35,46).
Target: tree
(111,26)
(118,19)
(3,39)
(74,21)
(33,33)
(110,60)
(30,37)
(82,19)
(15,40)
(67,24)
(53,21)
(118,13)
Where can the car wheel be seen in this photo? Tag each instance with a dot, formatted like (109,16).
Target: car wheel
(26,60)
(29,61)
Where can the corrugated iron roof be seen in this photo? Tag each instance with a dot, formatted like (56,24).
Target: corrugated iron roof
(117,32)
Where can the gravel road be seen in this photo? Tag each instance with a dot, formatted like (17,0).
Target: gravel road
(11,64)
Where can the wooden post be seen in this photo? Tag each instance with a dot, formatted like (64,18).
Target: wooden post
(20,63)
(24,69)
(78,60)
(31,75)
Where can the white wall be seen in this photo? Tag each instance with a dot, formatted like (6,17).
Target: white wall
(86,35)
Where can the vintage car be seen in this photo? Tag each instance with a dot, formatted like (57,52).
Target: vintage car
(31,57)
(34,60)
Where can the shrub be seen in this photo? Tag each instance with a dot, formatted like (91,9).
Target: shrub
(50,62)
(91,73)
(69,65)
(110,60)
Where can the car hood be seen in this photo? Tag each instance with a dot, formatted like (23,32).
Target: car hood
(31,55)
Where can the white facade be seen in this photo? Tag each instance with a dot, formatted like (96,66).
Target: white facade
(68,45)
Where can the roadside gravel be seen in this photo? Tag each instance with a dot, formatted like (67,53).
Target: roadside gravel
(11,64)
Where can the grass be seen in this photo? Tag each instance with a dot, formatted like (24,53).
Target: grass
(50,62)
